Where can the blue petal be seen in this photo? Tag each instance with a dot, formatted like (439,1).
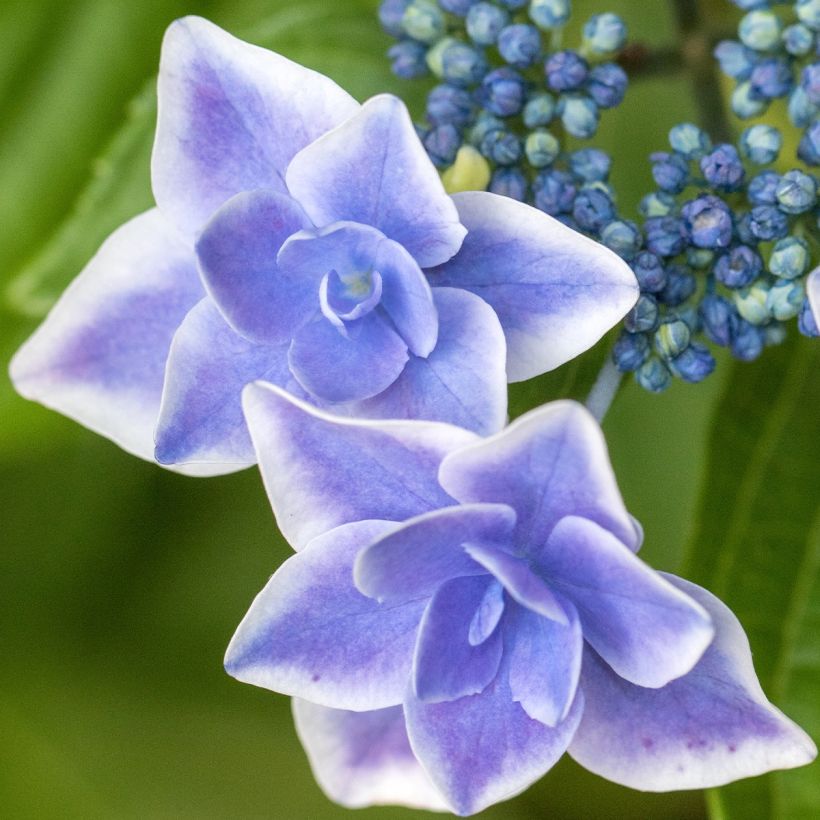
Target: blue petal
(423,552)
(555,291)
(321,470)
(312,634)
(813,291)
(705,729)
(231,117)
(374,170)
(446,665)
(237,257)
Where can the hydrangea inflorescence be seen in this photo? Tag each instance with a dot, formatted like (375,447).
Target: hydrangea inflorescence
(462,611)
(307,240)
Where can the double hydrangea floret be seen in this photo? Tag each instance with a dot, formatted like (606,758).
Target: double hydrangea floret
(307,240)
(462,611)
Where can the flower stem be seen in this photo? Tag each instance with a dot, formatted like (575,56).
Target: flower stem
(604,390)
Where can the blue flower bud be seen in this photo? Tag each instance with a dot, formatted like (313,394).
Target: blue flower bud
(689,315)
(760,30)
(660,203)
(809,148)
(708,221)
(542,148)
(790,258)
(680,285)
(808,12)
(590,164)
(462,64)
(539,110)
(745,103)
(520,45)
(501,147)
(485,123)
(747,340)
(579,115)
(796,192)
(752,303)
(407,59)
(699,258)
(502,92)
(554,191)
(622,237)
(802,111)
(630,351)
(449,104)
(592,209)
(743,229)
(607,84)
(391,13)
(670,171)
(672,338)
(604,33)
(739,267)
(423,20)
(484,23)
(442,144)
(806,323)
(566,70)
(735,60)
(549,14)
(694,364)
(798,40)
(653,375)
(665,235)
(767,223)
(644,316)
(723,169)
(649,272)
(771,78)
(761,144)
(457,7)
(689,141)
(509,182)
(785,299)
(716,314)
(762,188)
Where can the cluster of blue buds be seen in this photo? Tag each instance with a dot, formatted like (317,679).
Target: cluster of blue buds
(778,56)
(727,248)
(507,90)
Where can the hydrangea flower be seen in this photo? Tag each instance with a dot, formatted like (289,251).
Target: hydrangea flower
(463,610)
(307,240)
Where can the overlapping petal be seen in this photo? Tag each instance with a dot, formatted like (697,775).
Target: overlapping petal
(100,355)
(229,120)
(364,758)
(321,470)
(813,291)
(555,291)
(548,463)
(705,729)
(312,634)
(373,169)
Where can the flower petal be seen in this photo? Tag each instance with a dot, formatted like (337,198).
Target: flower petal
(364,758)
(649,632)
(312,634)
(237,256)
(482,749)
(340,366)
(231,117)
(813,290)
(446,664)
(555,291)
(415,558)
(201,418)
(548,463)
(321,470)
(100,355)
(705,729)
(462,381)
(373,169)
(545,662)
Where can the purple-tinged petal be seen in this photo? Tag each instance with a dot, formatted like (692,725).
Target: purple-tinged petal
(356,364)
(648,631)
(415,558)
(705,729)
(446,664)
(462,381)
(484,748)
(312,634)
(349,248)
(231,117)
(545,662)
(813,290)
(364,758)
(520,581)
(373,169)
(200,419)
(555,291)
(548,463)
(100,355)
(321,471)
(487,616)
(237,256)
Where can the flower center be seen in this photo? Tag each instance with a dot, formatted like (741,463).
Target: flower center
(349,296)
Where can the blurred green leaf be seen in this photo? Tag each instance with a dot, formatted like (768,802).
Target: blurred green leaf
(757,547)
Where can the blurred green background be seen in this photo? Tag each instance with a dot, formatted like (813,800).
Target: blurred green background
(122,583)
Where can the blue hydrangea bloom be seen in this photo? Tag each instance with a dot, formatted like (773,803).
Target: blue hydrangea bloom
(304,239)
(462,611)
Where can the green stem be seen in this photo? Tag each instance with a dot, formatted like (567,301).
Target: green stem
(604,390)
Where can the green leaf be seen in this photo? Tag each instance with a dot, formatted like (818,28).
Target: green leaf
(757,546)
